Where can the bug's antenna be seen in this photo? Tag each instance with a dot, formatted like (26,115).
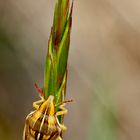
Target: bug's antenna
(38,89)
(66,101)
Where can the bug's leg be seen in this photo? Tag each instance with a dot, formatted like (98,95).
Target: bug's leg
(59,113)
(63,110)
(37,103)
(26,132)
(62,126)
(29,115)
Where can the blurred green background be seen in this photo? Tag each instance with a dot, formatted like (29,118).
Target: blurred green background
(104,67)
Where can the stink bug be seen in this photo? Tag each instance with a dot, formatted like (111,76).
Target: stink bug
(43,124)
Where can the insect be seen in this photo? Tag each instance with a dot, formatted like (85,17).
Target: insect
(43,123)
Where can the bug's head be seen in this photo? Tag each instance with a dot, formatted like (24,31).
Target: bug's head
(50,105)
(51,111)
(47,107)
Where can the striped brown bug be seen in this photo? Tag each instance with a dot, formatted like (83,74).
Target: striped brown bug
(43,123)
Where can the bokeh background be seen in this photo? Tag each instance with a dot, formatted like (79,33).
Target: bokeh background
(104,67)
